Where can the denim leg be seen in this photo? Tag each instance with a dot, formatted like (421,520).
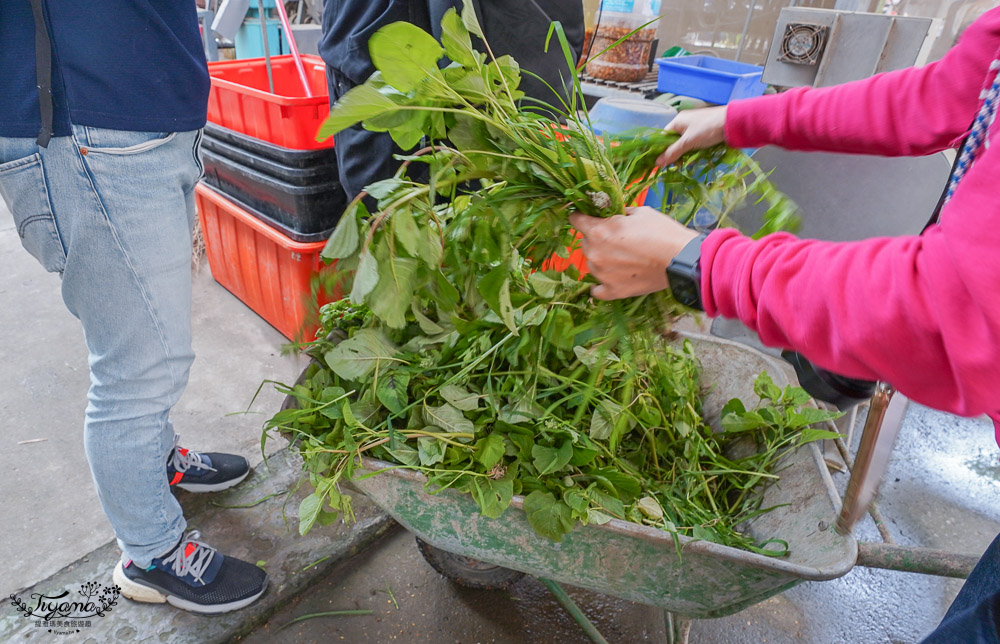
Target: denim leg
(974,616)
(117,209)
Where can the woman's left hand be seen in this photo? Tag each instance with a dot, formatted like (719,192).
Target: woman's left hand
(629,254)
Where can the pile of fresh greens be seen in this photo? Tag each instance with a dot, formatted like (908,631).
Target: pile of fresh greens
(459,356)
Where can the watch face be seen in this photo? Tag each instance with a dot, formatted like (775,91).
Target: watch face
(685,292)
(684,274)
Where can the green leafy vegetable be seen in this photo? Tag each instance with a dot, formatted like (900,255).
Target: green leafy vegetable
(461,354)
(356,357)
(406,55)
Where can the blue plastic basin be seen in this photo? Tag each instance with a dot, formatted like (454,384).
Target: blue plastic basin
(614,115)
(711,79)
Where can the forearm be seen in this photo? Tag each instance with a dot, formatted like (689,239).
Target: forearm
(895,309)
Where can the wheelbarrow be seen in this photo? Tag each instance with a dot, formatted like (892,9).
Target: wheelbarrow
(641,563)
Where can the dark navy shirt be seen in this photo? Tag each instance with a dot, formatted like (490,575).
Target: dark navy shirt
(121,64)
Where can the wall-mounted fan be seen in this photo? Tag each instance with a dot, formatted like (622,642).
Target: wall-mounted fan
(802,43)
(822,47)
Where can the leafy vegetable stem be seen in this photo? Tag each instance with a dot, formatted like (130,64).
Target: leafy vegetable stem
(651,440)
(361,448)
(464,372)
(382,216)
(440,436)
(709,495)
(595,378)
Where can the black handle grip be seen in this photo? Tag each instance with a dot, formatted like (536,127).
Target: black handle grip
(838,390)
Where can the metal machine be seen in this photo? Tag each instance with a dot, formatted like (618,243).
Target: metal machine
(822,47)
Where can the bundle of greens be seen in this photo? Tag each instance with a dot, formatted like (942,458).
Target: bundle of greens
(458,355)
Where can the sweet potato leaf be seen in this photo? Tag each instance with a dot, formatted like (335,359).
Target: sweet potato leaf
(548,516)
(356,357)
(405,54)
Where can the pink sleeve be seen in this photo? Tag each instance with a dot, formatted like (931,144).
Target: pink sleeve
(920,312)
(909,112)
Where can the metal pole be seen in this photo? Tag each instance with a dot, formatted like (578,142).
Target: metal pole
(885,415)
(206,17)
(574,610)
(876,514)
(925,561)
(267,47)
(678,628)
(746,28)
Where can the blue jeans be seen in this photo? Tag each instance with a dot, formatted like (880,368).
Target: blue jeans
(974,616)
(112,213)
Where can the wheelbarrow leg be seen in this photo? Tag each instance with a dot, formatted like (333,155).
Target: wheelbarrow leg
(885,415)
(678,628)
(574,610)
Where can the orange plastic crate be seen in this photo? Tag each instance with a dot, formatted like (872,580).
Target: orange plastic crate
(268,271)
(241,100)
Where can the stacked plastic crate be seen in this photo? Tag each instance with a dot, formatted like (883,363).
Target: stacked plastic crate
(270,197)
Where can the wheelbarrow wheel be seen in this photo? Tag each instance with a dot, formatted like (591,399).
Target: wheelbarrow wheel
(467,572)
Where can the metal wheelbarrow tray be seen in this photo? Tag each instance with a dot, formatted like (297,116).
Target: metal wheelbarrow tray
(637,562)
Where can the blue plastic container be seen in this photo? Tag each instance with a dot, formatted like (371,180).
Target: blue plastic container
(711,79)
(249,41)
(614,115)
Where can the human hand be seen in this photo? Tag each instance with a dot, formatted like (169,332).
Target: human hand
(701,128)
(629,254)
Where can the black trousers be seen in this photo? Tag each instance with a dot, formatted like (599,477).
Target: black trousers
(363,157)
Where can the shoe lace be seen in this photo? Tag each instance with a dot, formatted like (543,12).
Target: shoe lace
(184,459)
(191,557)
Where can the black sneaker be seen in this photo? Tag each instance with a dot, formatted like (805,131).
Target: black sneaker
(194,577)
(196,472)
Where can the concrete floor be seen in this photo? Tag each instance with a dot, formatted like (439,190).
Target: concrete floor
(942,491)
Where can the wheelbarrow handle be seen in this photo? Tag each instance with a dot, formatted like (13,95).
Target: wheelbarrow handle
(885,415)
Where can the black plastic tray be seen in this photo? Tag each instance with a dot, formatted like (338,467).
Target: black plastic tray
(285,156)
(306,210)
(296,176)
(294,235)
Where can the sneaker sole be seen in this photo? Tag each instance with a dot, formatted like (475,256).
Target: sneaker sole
(140,592)
(199,488)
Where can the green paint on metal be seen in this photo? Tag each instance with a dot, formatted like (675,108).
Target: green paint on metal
(574,611)
(927,561)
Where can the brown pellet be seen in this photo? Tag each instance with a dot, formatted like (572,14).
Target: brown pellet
(626,63)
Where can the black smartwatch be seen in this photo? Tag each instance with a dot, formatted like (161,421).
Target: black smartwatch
(684,274)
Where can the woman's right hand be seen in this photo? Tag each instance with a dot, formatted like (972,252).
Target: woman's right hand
(701,128)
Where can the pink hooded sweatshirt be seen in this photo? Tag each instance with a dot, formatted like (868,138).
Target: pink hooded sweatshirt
(922,313)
